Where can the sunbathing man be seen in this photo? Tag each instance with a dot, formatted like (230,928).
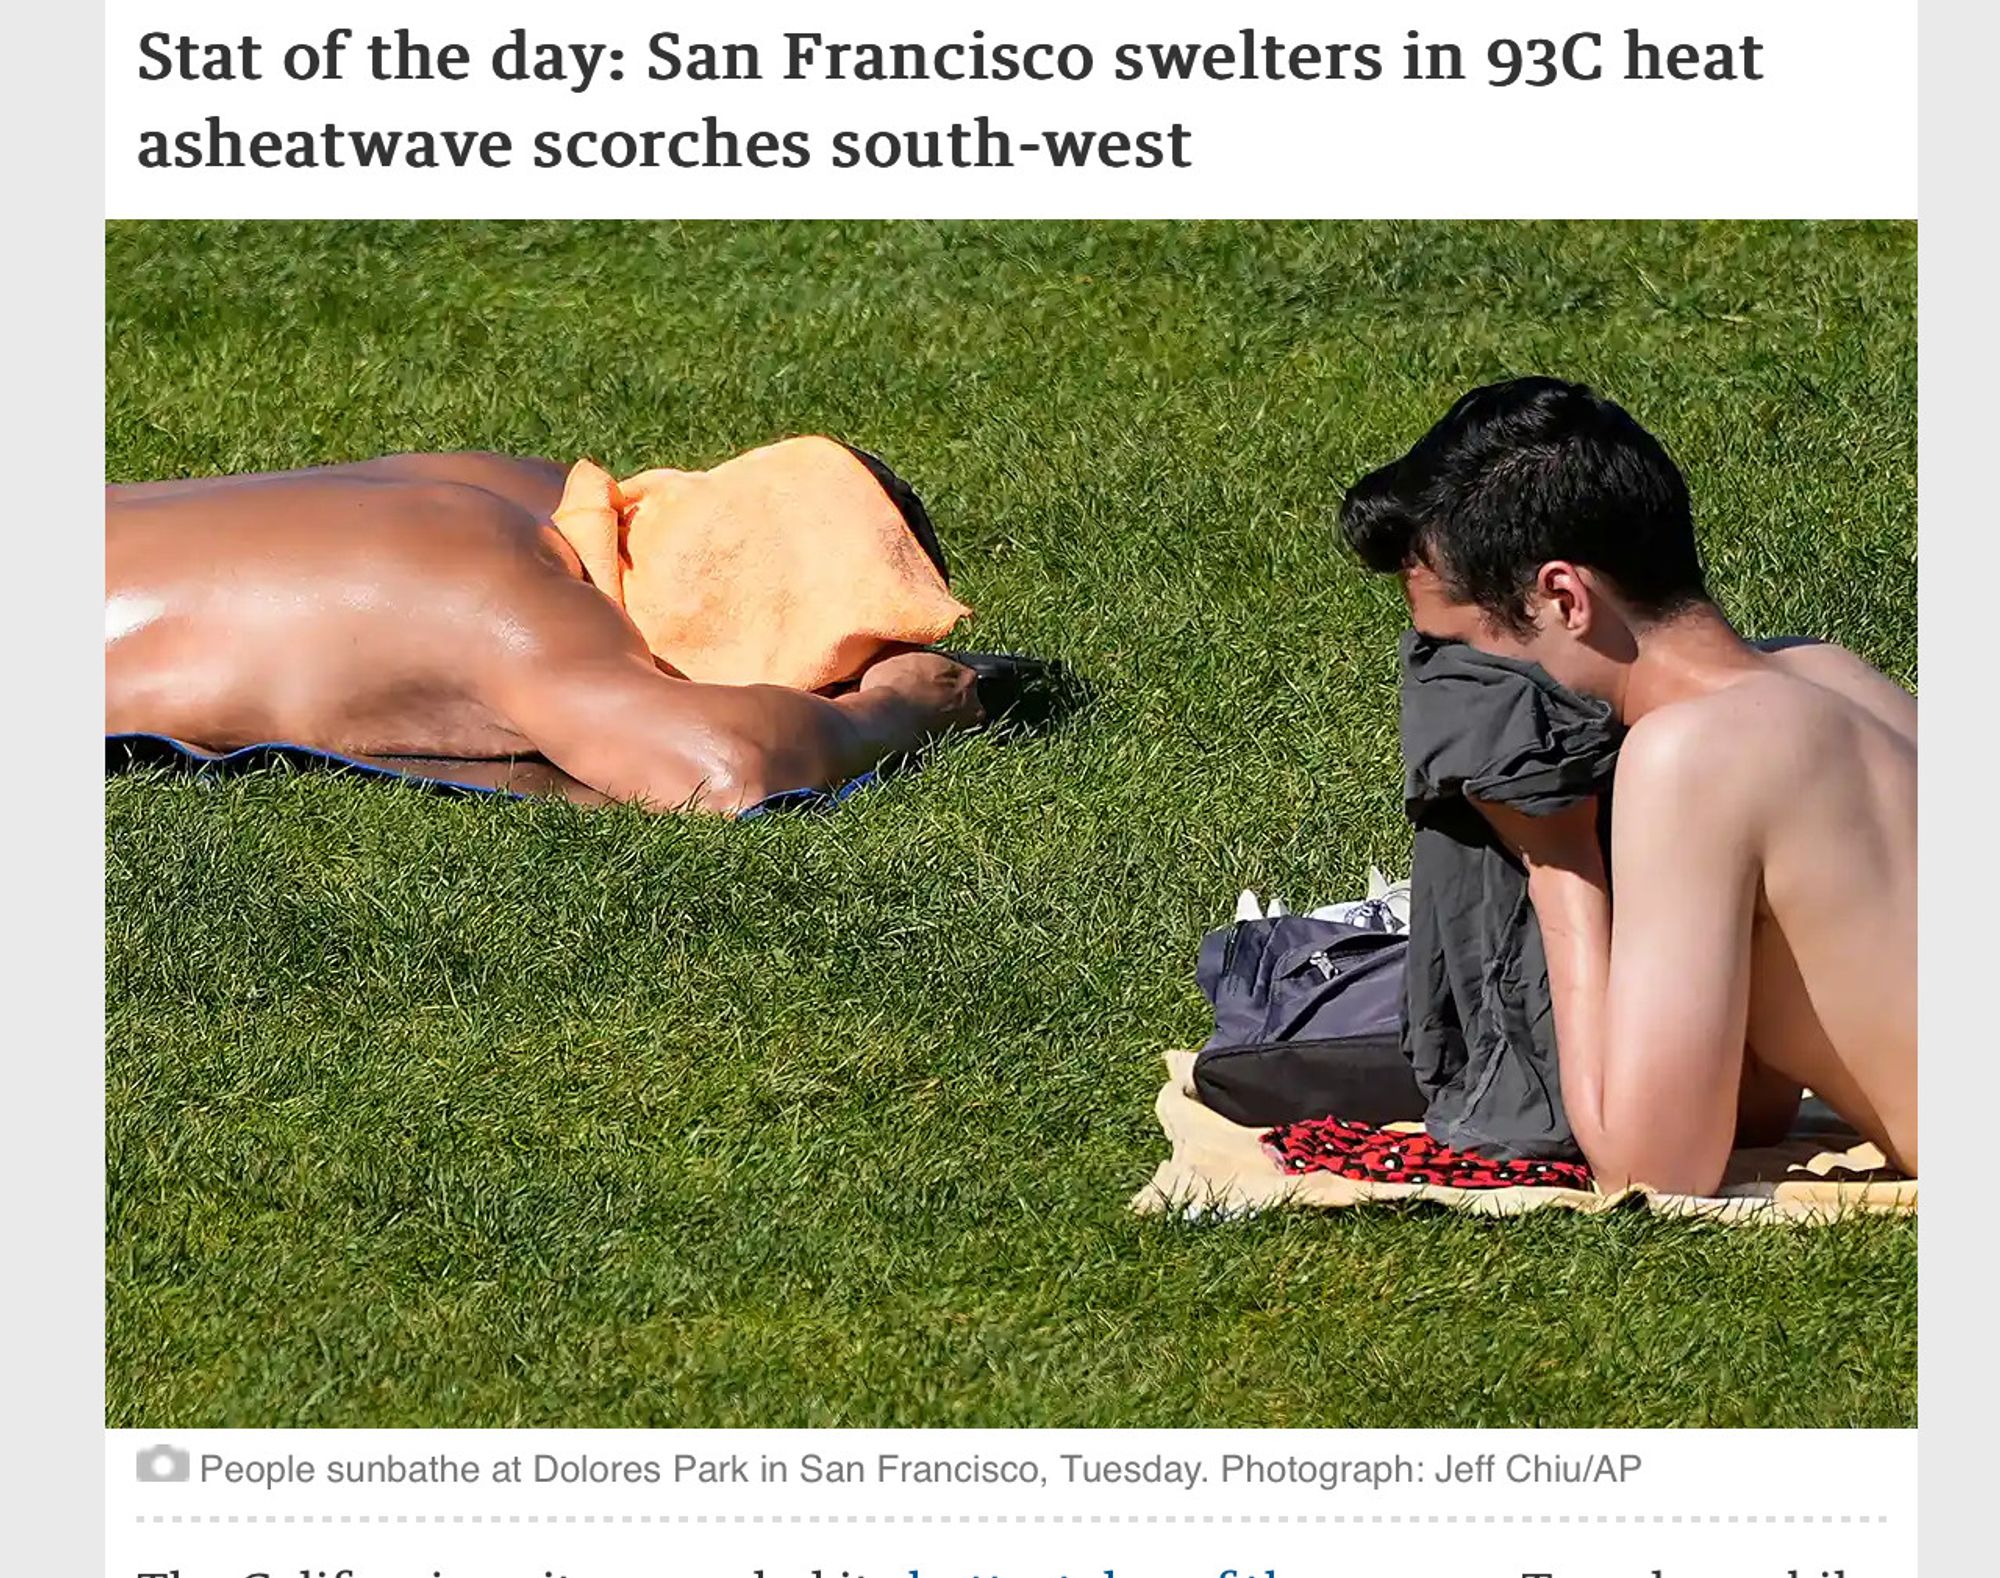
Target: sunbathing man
(427,606)
(1764,809)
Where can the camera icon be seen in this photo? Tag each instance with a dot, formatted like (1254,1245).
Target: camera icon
(162,1465)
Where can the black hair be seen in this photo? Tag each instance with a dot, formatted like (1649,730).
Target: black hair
(1522,472)
(905,498)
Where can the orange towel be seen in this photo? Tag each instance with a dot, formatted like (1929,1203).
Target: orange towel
(788,565)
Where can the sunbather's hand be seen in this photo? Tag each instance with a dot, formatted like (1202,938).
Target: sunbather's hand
(1564,840)
(944,694)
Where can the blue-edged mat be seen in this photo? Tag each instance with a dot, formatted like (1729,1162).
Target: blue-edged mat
(124,751)
(1014,690)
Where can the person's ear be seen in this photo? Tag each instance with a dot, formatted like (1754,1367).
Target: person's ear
(1567,593)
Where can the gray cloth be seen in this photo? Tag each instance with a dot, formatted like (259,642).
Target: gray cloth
(1479,1027)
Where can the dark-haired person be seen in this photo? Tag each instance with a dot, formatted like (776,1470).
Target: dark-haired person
(1763,935)
(427,606)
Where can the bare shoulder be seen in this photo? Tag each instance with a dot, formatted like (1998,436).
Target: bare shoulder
(506,581)
(1693,797)
(481,533)
(1744,754)
(1851,678)
(1728,745)
(526,482)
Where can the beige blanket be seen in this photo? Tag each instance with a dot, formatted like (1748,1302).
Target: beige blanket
(1220,1166)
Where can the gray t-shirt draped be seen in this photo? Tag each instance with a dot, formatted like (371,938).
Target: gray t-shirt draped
(1480,1027)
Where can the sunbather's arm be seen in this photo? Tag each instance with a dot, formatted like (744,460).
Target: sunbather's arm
(634,733)
(1651,1006)
(578,682)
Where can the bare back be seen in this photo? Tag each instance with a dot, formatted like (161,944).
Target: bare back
(365,608)
(1833,978)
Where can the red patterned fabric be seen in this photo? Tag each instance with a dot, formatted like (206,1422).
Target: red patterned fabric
(1371,1155)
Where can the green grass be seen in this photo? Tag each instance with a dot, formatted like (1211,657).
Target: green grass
(429,1111)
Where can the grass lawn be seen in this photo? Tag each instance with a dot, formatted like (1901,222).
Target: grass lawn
(427,1111)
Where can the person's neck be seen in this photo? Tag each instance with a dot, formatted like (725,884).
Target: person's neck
(1691,654)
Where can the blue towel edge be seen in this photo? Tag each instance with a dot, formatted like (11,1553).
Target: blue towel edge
(141,748)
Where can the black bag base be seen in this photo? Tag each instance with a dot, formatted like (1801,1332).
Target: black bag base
(1364,1079)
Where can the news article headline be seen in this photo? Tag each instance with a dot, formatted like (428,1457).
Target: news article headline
(667,60)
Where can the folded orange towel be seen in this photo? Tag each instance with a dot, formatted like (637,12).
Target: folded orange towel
(788,565)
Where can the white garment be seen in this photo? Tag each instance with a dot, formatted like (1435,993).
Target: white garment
(1386,907)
